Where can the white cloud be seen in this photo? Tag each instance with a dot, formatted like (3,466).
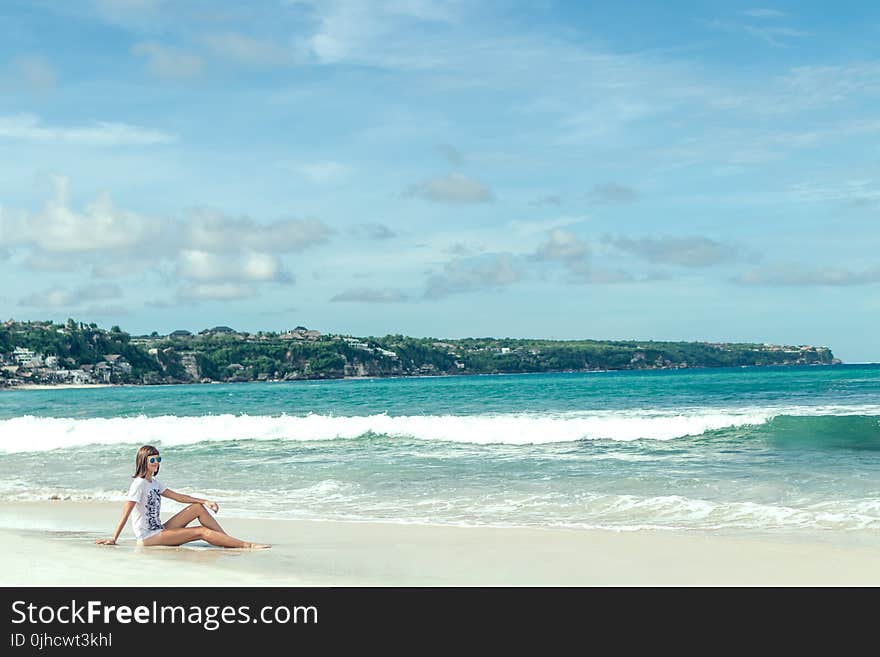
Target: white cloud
(28,127)
(486,271)
(574,254)
(695,251)
(39,261)
(168,62)
(210,230)
(210,256)
(562,245)
(61,297)
(366,32)
(60,229)
(52,298)
(207,267)
(570,91)
(454,188)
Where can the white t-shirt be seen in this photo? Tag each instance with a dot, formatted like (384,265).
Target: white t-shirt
(145,515)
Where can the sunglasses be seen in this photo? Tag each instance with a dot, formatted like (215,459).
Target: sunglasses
(155,459)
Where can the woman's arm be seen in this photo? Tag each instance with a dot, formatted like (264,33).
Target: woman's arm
(187,499)
(126,511)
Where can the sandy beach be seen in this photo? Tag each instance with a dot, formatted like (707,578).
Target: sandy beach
(52,543)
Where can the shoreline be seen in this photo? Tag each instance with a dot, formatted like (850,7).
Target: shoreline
(71,386)
(63,386)
(41,539)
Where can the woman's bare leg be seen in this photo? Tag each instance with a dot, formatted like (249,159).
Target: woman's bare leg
(181,535)
(190,513)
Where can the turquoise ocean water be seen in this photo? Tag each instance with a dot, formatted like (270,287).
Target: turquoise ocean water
(754,450)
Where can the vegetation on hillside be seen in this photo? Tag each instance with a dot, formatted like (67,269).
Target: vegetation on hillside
(55,351)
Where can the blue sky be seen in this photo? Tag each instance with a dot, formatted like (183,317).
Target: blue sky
(670,171)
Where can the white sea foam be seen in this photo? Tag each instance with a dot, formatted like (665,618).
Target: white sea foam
(31,433)
(20,490)
(334,500)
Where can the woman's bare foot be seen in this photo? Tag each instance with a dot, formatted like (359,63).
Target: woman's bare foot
(258,546)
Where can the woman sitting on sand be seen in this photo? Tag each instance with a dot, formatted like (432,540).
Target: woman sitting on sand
(144,498)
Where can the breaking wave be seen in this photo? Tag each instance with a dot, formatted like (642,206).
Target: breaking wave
(34,434)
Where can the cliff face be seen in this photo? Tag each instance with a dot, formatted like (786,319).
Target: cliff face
(190,366)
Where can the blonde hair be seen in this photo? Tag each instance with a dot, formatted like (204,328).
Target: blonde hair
(140,461)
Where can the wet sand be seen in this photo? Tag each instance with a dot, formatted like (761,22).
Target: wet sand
(52,543)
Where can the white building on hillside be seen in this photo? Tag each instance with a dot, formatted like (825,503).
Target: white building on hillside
(27,358)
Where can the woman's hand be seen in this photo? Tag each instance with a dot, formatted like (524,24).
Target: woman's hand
(106,541)
(212,505)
